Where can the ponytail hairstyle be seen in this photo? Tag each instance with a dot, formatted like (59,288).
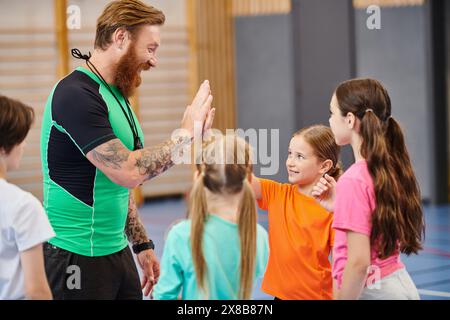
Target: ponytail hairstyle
(225,169)
(397,220)
(321,139)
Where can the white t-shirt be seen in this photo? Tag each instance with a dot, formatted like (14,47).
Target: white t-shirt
(23,225)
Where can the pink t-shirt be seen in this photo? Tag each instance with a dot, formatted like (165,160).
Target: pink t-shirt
(353,208)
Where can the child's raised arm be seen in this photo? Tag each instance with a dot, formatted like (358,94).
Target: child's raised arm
(256,186)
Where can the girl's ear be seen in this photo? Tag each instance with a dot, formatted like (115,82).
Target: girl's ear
(326,166)
(350,120)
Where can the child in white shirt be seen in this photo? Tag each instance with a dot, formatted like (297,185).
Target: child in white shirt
(23,223)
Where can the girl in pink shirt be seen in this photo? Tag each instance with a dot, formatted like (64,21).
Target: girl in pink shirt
(376,203)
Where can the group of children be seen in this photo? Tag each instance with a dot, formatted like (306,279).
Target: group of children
(330,235)
(361,220)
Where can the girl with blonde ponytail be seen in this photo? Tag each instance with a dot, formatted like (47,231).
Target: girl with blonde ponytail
(377,208)
(220,250)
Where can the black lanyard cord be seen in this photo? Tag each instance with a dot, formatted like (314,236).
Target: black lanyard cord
(130,119)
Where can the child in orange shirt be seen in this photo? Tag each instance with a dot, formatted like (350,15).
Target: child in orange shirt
(300,233)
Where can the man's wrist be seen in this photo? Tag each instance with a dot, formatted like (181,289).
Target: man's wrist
(182,137)
(138,248)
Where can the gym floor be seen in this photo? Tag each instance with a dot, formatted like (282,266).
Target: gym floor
(430,269)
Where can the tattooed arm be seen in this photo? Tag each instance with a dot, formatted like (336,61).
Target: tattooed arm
(147,259)
(134,229)
(132,168)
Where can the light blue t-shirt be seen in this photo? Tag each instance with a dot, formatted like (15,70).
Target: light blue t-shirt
(221,249)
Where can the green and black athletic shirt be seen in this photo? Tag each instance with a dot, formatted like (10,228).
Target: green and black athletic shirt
(86,209)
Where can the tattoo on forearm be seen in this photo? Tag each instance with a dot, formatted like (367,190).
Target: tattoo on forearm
(113,154)
(153,161)
(150,162)
(134,229)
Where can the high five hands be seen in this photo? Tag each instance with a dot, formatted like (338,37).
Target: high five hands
(199,112)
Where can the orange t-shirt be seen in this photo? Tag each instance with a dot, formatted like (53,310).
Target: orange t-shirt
(300,241)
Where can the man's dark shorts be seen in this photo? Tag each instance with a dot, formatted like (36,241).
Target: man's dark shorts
(76,277)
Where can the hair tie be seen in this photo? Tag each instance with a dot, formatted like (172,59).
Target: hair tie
(369,110)
(386,120)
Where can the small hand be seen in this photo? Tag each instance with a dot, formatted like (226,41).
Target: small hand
(150,267)
(325,191)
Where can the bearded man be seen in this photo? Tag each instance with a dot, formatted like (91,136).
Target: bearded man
(93,155)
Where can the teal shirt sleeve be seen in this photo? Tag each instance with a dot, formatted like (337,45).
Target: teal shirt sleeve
(262,252)
(171,279)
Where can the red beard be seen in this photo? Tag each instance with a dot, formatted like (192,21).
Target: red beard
(127,77)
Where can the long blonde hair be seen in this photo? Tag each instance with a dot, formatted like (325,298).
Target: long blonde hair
(225,169)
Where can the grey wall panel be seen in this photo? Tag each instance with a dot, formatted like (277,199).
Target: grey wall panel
(396,55)
(324,56)
(264,86)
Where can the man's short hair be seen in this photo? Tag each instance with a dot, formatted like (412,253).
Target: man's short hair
(128,14)
(16,119)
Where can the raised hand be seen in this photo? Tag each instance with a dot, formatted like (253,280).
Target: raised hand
(325,191)
(199,113)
